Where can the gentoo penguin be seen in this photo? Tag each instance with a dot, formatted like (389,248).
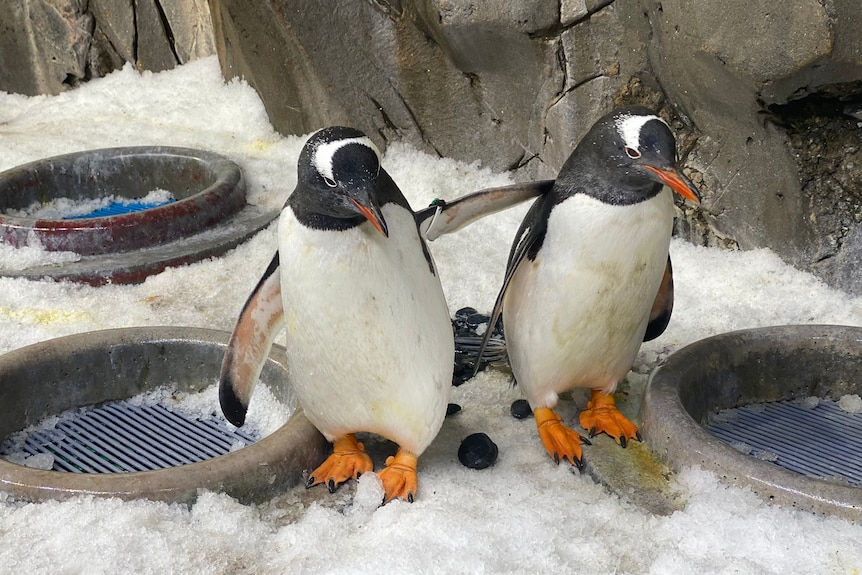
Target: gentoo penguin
(589,277)
(369,340)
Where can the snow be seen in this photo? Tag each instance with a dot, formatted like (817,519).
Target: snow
(64,208)
(851,403)
(15,259)
(523,515)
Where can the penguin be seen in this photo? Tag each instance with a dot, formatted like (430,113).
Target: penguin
(369,340)
(589,275)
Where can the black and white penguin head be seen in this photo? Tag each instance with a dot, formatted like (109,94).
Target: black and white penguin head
(337,176)
(638,151)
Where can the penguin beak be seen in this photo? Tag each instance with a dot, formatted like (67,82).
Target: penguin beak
(373,214)
(677,182)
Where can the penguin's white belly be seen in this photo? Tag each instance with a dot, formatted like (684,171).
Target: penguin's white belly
(369,338)
(576,316)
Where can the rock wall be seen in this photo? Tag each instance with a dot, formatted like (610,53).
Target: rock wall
(728,67)
(515,85)
(766,99)
(501,82)
(47,46)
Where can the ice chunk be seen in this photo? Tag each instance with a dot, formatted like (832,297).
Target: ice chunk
(808,402)
(40,461)
(368,497)
(850,403)
(764,455)
(35,461)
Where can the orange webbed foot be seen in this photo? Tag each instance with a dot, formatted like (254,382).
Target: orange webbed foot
(560,441)
(399,477)
(602,416)
(348,460)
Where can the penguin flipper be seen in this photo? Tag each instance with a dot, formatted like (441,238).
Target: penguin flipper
(444,217)
(530,236)
(662,307)
(260,320)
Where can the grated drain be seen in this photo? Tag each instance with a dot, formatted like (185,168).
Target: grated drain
(123,437)
(824,441)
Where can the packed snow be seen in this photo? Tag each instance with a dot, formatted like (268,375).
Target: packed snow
(523,515)
(66,208)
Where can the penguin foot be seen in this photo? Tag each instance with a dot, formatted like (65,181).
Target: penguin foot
(560,441)
(348,460)
(399,477)
(602,416)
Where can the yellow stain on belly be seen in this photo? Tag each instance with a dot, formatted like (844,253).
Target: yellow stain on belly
(291,322)
(385,412)
(46,316)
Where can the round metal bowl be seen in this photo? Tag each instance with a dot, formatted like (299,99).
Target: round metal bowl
(54,376)
(748,368)
(209,216)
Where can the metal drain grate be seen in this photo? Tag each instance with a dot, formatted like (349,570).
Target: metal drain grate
(824,441)
(122,437)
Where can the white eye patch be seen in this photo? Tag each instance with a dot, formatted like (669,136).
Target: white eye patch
(324,153)
(629,128)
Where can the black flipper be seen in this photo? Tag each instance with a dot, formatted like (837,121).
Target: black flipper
(662,307)
(529,239)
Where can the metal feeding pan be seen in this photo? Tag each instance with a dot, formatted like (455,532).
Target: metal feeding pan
(209,215)
(761,408)
(116,449)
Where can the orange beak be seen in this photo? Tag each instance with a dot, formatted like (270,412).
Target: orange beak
(374,216)
(678,183)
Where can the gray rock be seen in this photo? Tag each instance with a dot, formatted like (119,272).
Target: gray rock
(115,20)
(572,10)
(444,84)
(191,27)
(47,46)
(597,57)
(515,85)
(722,64)
(154,49)
(48,40)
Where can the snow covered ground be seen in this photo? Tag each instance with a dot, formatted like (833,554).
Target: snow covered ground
(524,515)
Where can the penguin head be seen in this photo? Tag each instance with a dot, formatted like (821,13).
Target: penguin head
(639,151)
(338,175)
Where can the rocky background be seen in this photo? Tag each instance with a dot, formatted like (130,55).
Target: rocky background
(766,97)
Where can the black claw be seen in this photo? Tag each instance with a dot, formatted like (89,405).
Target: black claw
(556,458)
(310,482)
(331,485)
(358,475)
(623,441)
(592,432)
(585,441)
(638,436)
(410,498)
(579,463)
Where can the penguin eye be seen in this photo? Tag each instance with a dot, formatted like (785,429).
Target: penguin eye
(329,182)
(632,153)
